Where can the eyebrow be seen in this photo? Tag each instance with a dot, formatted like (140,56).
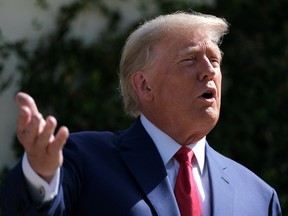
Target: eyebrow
(197,48)
(188,50)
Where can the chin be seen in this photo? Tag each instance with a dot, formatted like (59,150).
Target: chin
(212,114)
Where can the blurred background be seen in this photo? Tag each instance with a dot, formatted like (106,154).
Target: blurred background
(66,54)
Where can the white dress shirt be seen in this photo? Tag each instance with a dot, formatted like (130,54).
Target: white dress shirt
(167,148)
(41,191)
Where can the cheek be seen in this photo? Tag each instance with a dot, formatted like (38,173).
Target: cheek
(218,82)
(170,96)
(178,90)
(173,85)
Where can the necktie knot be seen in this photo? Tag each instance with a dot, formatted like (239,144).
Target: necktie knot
(184,154)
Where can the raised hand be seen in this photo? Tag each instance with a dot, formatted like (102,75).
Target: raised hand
(43,148)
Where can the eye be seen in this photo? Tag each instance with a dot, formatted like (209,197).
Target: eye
(190,59)
(216,62)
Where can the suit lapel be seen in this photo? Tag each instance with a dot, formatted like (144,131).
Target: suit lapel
(143,160)
(221,186)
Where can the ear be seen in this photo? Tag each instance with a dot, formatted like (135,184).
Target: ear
(141,86)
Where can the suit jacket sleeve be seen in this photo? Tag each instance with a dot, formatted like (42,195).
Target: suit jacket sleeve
(15,197)
(274,208)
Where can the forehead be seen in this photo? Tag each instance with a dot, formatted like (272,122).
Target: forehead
(182,41)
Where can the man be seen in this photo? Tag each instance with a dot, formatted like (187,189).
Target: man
(170,78)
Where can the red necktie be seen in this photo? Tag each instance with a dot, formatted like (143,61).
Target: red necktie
(185,187)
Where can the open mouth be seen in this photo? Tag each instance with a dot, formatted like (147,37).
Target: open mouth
(207,95)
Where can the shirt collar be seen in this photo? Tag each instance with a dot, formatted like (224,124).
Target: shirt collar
(167,147)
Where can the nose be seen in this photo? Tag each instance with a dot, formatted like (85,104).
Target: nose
(206,70)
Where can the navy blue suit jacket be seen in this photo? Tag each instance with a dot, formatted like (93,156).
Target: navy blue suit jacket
(122,173)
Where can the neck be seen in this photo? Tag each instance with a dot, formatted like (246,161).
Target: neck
(181,134)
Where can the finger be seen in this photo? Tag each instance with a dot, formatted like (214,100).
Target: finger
(24,99)
(46,134)
(32,132)
(59,141)
(23,120)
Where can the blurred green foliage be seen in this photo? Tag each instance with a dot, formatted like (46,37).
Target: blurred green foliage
(78,83)
(5,80)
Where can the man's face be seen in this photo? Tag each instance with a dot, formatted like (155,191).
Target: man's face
(185,80)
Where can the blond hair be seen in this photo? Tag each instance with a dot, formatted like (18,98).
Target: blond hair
(136,53)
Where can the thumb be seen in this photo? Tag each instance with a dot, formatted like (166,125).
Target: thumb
(25,100)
